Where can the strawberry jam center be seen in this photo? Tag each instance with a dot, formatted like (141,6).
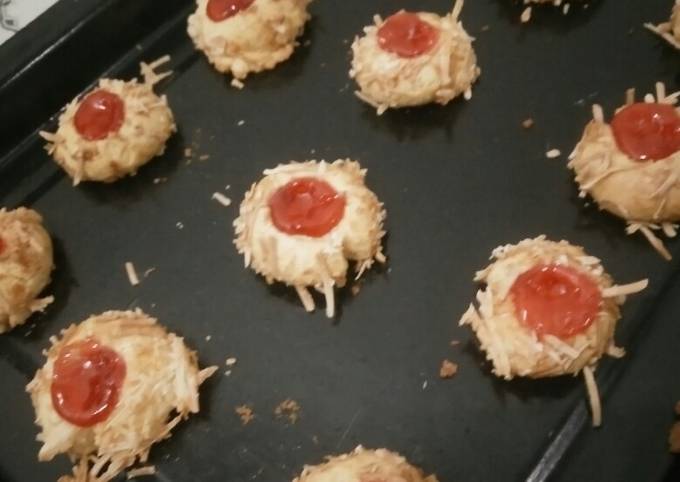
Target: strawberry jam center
(647,132)
(307,206)
(100,113)
(218,10)
(86,381)
(406,35)
(556,300)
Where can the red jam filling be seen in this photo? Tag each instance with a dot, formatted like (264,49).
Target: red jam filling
(556,300)
(3,245)
(100,113)
(647,132)
(307,206)
(406,35)
(86,381)
(218,10)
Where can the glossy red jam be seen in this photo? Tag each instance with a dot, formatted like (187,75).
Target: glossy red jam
(556,300)
(307,206)
(647,132)
(100,113)
(218,10)
(3,245)
(406,35)
(86,382)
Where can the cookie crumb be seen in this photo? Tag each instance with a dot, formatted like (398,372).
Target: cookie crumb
(245,413)
(528,123)
(289,408)
(448,369)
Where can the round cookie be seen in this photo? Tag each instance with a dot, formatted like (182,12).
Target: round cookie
(394,67)
(245,36)
(362,465)
(108,390)
(303,223)
(669,31)
(644,192)
(114,130)
(25,266)
(546,309)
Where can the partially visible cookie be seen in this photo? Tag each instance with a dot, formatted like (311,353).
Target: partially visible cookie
(241,37)
(364,465)
(630,166)
(25,266)
(669,31)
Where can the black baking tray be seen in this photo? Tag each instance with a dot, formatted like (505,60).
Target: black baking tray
(456,181)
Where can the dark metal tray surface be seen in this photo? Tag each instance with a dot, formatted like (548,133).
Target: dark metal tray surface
(457,181)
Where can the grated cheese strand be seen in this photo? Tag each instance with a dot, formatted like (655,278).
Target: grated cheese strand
(593,396)
(141,471)
(330,298)
(624,290)
(222,199)
(305,298)
(656,243)
(457,8)
(131,273)
(526,15)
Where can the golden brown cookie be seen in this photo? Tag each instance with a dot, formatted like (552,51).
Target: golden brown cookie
(546,309)
(395,68)
(113,130)
(305,222)
(644,192)
(111,387)
(243,37)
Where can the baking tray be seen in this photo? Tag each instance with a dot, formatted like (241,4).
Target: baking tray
(456,180)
